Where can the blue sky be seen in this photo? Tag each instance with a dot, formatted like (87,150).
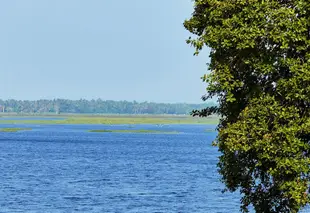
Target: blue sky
(115,50)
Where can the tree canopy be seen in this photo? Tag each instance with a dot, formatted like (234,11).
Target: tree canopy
(260,73)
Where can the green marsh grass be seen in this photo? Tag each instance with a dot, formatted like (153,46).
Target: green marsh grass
(14,129)
(121,119)
(134,131)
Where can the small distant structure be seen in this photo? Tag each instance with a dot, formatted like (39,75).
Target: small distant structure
(2,108)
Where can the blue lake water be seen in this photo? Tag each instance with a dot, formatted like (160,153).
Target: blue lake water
(64,168)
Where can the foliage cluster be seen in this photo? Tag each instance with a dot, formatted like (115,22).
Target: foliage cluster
(260,73)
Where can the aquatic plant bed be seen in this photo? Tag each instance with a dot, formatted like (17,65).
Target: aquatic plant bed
(112,119)
(14,129)
(134,131)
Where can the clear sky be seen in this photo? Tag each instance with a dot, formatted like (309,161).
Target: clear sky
(115,50)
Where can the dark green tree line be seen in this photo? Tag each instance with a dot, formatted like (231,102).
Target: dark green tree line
(96,106)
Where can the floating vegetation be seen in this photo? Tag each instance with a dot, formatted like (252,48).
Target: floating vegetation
(14,129)
(134,131)
(210,130)
(114,120)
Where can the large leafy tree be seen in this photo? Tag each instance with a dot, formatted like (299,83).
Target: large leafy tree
(260,73)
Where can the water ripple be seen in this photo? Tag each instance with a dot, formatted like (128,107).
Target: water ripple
(66,169)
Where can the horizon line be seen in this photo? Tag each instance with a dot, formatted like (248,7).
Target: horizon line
(97,99)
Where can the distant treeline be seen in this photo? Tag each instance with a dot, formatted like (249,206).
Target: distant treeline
(97,106)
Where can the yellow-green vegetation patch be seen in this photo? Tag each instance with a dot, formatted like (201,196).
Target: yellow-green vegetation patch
(14,129)
(134,131)
(112,120)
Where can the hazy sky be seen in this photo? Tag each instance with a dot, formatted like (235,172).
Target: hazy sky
(116,50)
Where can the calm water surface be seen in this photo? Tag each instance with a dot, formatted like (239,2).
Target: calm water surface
(64,168)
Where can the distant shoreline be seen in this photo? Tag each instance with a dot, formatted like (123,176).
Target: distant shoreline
(104,119)
(98,106)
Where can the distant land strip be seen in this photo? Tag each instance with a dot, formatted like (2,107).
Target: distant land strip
(107,120)
(98,106)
